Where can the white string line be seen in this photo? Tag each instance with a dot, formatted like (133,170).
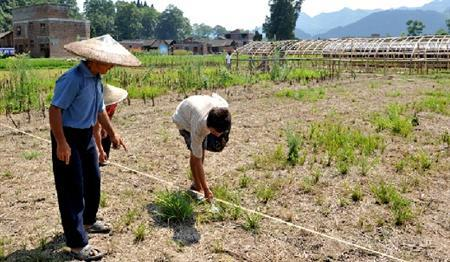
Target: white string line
(275,219)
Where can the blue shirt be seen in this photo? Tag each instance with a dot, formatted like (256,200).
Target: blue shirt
(79,94)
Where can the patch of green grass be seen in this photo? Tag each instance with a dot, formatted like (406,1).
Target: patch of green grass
(226,212)
(30,155)
(252,223)
(342,144)
(343,202)
(244,181)
(130,216)
(140,233)
(7,174)
(394,120)
(400,206)
(173,206)
(394,94)
(306,95)
(421,161)
(446,138)
(356,194)
(374,85)
(294,142)
(271,160)
(436,101)
(103,200)
(308,182)
(265,193)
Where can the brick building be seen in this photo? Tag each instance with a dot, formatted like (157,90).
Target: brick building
(6,39)
(240,37)
(43,30)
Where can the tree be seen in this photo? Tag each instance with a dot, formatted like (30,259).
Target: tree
(172,24)
(447,22)
(280,25)
(258,36)
(101,13)
(415,27)
(202,31)
(149,21)
(441,32)
(219,31)
(128,20)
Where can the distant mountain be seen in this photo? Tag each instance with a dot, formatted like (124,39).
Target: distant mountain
(325,21)
(388,23)
(333,24)
(301,34)
(437,5)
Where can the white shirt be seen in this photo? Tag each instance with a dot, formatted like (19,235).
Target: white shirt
(191,115)
(228,58)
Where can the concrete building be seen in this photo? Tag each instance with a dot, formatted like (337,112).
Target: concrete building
(44,29)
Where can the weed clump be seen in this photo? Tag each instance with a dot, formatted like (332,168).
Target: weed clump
(173,206)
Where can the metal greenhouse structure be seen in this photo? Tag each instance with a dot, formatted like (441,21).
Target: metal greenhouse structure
(413,53)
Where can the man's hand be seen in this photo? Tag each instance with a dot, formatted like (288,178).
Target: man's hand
(117,142)
(102,157)
(63,152)
(209,195)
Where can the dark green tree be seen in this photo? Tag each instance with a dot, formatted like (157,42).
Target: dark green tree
(173,25)
(149,21)
(101,13)
(202,31)
(280,25)
(415,27)
(219,31)
(441,32)
(128,20)
(258,36)
(447,22)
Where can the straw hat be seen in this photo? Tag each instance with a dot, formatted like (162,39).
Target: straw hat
(113,95)
(103,49)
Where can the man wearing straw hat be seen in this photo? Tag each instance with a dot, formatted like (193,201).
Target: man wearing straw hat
(112,96)
(77,104)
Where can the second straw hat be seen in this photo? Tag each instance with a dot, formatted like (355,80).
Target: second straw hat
(113,95)
(103,49)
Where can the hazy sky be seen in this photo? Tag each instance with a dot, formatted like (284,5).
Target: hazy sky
(248,14)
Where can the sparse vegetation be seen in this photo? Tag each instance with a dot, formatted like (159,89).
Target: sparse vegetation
(394,120)
(309,95)
(30,155)
(342,144)
(400,206)
(140,233)
(252,222)
(265,193)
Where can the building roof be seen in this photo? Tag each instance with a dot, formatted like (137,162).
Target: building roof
(221,42)
(3,34)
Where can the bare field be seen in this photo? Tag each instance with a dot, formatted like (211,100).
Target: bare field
(341,199)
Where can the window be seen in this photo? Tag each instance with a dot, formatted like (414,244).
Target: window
(31,43)
(19,30)
(43,28)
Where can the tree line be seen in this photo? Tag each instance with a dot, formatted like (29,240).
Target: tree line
(138,20)
(123,20)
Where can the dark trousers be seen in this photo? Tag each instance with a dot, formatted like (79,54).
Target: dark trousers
(106,144)
(77,185)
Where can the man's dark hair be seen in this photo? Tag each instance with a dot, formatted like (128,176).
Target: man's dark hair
(219,118)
